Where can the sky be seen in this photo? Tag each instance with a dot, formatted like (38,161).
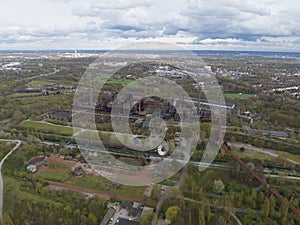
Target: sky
(258,25)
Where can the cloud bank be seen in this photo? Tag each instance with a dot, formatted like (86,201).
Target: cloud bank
(196,24)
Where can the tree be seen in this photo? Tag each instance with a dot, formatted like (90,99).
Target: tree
(232,139)
(266,208)
(218,186)
(201,218)
(284,211)
(156,191)
(238,169)
(260,198)
(171,213)
(17,116)
(201,195)
(272,204)
(92,220)
(251,200)
(7,219)
(147,219)
(76,216)
(190,219)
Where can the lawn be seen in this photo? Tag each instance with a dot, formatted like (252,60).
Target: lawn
(238,95)
(252,154)
(167,183)
(47,128)
(98,183)
(54,176)
(57,165)
(23,95)
(176,178)
(88,181)
(258,155)
(38,84)
(287,155)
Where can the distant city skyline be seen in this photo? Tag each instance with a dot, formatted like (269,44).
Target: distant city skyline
(246,25)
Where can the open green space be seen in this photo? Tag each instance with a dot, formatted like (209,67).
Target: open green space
(283,156)
(253,155)
(10,182)
(238,95)
(101,184)
(54,176)
(115,81)
(57,165)
(38,84)
(23,95)
(47,127)
(287,155)
(167,183)
(175,178)
(124,83)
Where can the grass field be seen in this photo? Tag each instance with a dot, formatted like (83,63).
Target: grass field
(112,81)
(129,83)
(57,165)
(37,84)
(98,183)
(252,155)
(54,176)
(238,96)
(258,155)
(23,95)
(175,178)
(287,155)
(167,183)
(47,128)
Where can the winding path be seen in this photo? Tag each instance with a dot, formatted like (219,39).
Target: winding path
(1,163)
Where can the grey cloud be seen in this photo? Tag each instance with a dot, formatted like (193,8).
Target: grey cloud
(221,22)
(247,20)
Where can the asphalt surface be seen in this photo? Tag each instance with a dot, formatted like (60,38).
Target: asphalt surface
(1,163)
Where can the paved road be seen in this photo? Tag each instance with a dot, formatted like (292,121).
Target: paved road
(284,177)
(55,71)
(1,163)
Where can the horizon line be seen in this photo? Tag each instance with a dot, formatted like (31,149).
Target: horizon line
(107,50)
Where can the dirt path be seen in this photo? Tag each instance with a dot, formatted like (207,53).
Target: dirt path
(269,152)
(55,158)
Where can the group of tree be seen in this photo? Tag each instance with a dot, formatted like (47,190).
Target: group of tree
(66,208)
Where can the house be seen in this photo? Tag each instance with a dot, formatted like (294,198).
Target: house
(126,205)
(32,168)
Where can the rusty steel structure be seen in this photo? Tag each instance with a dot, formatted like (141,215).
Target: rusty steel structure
(263,182)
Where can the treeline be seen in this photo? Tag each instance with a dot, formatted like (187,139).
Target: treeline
(202,210)
(262,142)
(72,209)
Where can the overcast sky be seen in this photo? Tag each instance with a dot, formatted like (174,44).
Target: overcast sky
(195,24)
